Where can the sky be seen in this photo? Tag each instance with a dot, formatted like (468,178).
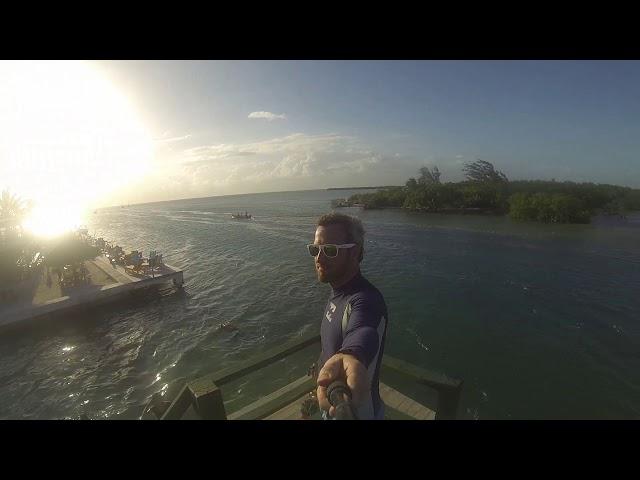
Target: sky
(228,127)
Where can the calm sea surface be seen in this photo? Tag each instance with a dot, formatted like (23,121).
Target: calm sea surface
(539,321)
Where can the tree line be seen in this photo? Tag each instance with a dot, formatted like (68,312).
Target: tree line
(486,189)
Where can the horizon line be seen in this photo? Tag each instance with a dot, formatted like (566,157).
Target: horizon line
(232,195)
(334,188)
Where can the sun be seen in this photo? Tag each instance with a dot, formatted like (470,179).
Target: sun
(51,222)
(69,138)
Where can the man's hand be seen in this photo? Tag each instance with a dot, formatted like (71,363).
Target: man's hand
(343,367)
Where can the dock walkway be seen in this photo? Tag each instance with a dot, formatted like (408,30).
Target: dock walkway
(116,272)
(89,295)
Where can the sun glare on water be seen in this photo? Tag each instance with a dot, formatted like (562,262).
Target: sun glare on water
(68,139)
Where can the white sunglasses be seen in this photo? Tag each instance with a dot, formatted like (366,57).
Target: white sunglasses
(330,250)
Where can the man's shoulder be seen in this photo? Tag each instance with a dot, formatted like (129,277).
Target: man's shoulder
(368,294)
(370,287)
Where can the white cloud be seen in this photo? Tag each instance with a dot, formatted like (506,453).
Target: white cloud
(293,162)
(304,161)
(173,139)
(268,116)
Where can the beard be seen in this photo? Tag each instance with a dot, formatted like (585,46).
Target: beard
(322,275)
(330,273)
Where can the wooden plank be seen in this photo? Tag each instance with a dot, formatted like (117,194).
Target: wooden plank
(404,404)
(428,378)
(275,401)
(290,412)
(414,409)
(427,414)
(394,401)
(398,406)
(390,398)
(448,388)
(179,405)
(393,414)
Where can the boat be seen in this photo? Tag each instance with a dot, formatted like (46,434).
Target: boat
(344,203)
(240,216)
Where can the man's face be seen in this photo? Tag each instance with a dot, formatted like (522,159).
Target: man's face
(333,269)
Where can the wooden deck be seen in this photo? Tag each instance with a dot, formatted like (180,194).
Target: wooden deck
(397,405)
(123,284)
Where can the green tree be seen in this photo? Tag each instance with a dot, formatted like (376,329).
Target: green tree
(411,183)
(13,210)
(482,171)
(387,197)
(429,176)
(70,250)
(433,197)
(520,208)
(9,268)
(477,195)
(488,189)
(548,208)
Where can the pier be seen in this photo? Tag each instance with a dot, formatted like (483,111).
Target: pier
(117,283)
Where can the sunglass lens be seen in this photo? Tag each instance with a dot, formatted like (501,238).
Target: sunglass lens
(330,251)
(313,250)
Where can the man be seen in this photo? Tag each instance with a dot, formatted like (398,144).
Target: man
(354,323)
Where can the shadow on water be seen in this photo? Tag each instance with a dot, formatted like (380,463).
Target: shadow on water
(86,319)
(66,352)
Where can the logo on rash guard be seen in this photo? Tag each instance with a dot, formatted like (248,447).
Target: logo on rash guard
(333,309)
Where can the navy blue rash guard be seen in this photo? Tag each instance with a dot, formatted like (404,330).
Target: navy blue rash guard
(364,335)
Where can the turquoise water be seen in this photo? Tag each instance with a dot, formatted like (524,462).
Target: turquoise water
(539,321)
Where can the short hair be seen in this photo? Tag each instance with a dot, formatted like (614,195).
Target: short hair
(351,225)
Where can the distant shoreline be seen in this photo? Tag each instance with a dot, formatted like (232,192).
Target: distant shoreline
(360,188)
(126,205)
(599,218)
(442,211)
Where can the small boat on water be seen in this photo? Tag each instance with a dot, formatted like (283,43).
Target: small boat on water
(240,216)
(343,203)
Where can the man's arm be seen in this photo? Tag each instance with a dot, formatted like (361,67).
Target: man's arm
(362,337)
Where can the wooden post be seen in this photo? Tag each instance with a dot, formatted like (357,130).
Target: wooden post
(448,389)
(203,395)
(179,405)
(448,400)
(207,399)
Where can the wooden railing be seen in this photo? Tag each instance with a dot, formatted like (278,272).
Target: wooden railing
(205,396)
(448,389)
(204,393)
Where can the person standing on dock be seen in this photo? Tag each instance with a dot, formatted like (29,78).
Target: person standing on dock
(354,323)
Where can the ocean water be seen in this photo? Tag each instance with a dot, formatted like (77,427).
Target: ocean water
(540,321)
